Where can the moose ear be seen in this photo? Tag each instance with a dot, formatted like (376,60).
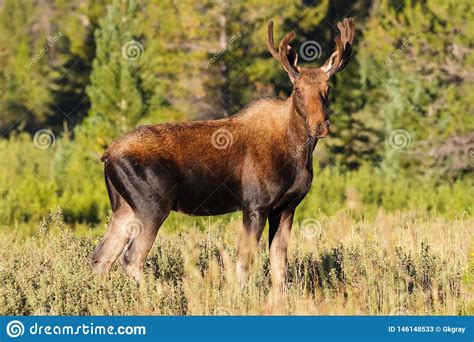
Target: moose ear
(292,57)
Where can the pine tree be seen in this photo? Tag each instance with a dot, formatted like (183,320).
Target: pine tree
(416,69)
(118,98)
(24,84)
(72,64)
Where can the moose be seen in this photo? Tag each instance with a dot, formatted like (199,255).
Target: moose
(258,161)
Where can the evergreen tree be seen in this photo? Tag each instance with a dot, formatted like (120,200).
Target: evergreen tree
(24,82)
(72,64)
(118,98)
(416,69)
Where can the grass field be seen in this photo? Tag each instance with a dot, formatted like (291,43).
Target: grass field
(399,263)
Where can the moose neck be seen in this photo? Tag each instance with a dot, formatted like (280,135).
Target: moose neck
(300,119)
(300,133)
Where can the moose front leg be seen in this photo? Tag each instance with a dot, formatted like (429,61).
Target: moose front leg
(252,228)
(280,223)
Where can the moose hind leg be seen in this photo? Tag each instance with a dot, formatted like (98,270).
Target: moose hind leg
(143,236)
(115,239)
(252,228)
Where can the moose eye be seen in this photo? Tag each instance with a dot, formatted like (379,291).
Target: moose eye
(298,91)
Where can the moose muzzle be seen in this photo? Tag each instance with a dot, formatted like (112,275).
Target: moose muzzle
(323,129)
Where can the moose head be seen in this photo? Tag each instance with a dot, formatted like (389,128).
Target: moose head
(311,85)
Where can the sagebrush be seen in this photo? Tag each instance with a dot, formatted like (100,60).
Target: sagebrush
(402,263)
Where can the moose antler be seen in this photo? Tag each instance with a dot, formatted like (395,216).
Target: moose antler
(338,60)
(283,52)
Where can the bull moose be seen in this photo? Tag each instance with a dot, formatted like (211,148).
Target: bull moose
(258,161)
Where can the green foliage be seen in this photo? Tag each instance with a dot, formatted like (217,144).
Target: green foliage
(368,189)
(117,98)
(43,75)
(415,69)
(34,181)
(23,84)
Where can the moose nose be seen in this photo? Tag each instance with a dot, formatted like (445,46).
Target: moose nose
(323,129)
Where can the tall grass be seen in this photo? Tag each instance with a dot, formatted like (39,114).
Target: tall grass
(396,263)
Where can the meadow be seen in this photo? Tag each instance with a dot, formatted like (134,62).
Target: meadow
(401,263)
(387,228)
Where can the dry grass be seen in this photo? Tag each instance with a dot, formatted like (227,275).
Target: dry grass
(404,263)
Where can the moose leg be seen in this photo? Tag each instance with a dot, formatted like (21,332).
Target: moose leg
(134,255)
(280,223)
(252,228)
(115,239)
